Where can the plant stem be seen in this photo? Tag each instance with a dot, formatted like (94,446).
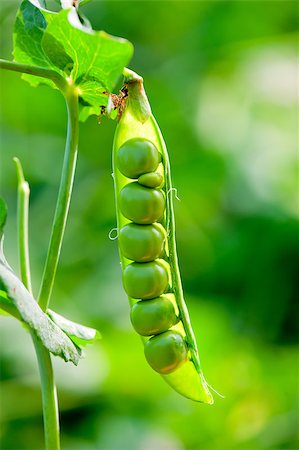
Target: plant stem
(35,70)
(49,396)
(50,403)
(23,206)
(63,200)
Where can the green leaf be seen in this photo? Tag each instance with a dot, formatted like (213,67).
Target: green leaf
(3,215)
(64,41)
(52,337)
(79,334)
(4,299)
(29,29)
(96,55)
(83,2)
(86,111)
(7,308)
(98,58)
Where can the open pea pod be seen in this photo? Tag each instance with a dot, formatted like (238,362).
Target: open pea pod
(143,194)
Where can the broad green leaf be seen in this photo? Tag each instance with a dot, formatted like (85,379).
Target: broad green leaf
(29,29)
(98,58)
(66,43)
(79,334)
(52,337)
(96,54)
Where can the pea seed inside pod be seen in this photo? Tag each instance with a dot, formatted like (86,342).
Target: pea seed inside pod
(151,179)
(166,351)
(142,243)
(137,156)
(145,280)
(154,316)
(140,204)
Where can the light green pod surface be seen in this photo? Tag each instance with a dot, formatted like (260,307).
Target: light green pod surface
(138,122)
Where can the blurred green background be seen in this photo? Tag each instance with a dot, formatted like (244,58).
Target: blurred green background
(221,78)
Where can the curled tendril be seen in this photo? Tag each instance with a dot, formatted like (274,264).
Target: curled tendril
(175,191)
(110,235)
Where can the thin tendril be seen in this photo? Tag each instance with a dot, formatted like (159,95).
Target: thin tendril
(113,238)
(173,189)
(214,390)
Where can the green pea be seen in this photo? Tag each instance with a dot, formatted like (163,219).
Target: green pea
(158,309)
(140,204)
(142,243)
(166,351)
(137,156)
(154,316)
(151,179)
(145,280)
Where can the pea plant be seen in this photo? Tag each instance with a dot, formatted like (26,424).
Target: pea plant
(60,49)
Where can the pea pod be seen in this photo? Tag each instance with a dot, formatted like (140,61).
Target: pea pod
(141,201)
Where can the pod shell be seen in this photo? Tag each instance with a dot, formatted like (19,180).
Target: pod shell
(187,379)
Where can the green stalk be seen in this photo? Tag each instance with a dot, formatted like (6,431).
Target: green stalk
(23,207)
(34,70)
(49,396)
(63,200)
